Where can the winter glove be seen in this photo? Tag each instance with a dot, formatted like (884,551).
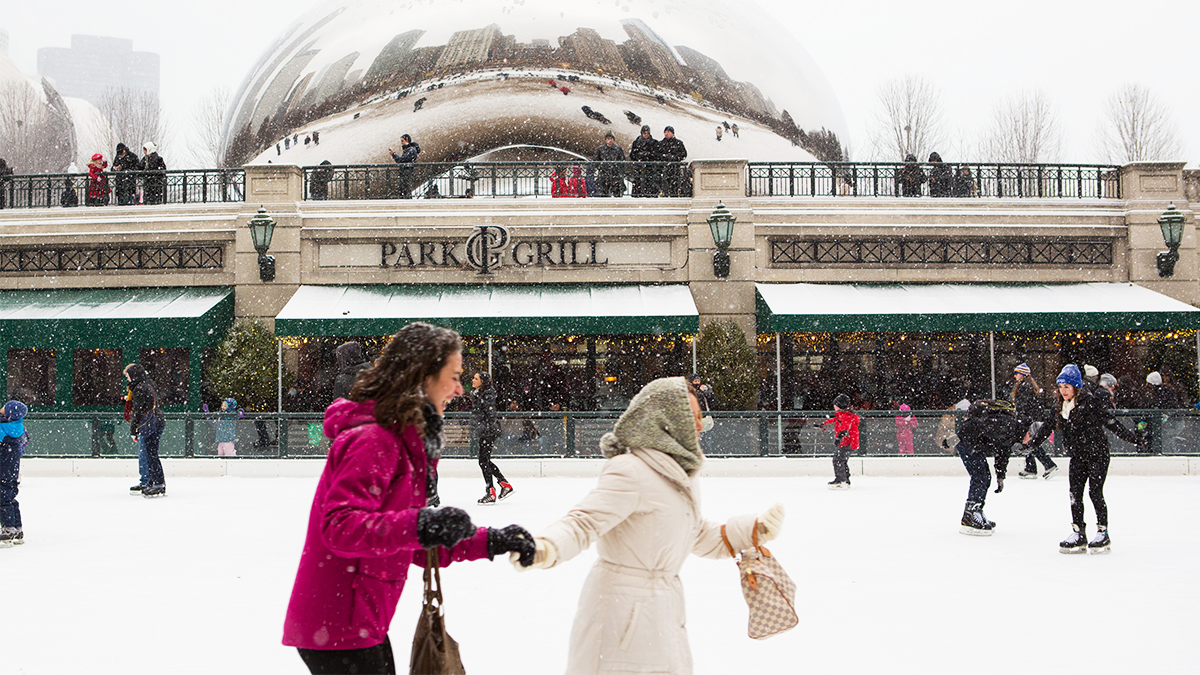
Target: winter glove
(770,523)
(512,539)
(1019,448)
(443,527)
(545,556)
(241,413)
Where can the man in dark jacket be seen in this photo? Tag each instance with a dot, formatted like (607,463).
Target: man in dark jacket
(318,186)
(146,424)
(408,155)
(5,172)
(645,179)
(350,360)
(671,149)
(991,428)
(154,185)
(608,177)
(910,178)
(126,185)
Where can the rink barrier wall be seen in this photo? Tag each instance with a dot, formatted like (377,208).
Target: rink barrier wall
(765,467)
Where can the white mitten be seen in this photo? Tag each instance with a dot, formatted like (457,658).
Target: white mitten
(546,556)
(770,523)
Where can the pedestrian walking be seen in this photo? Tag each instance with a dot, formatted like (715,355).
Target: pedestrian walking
(97,192)
(146,423)
(1026,396)
(13,439)
(905,426)
(124,182)
(154,181)
(991,427)
(719,132)
(845,440)
(645,515)
(486,428)
(368,521)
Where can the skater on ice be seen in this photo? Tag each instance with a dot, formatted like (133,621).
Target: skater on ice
(845,441)
(146,423)
(644,517)
(991,428)
(1027,398)
(13,439)
(368,522)
(225,427)
(485,426)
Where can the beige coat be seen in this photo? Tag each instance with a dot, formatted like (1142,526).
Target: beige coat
(645,514)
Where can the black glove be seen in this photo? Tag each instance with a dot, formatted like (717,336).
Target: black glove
(510,539)
(443,527)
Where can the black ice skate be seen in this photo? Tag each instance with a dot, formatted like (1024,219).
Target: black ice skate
(154,492)
(1050,472)
(1076,543)
(974,523)
(10,536)
(136,490)
(999,485)
(490,497)
(839,485)
(1100,543)
(1027,474)
(505,490)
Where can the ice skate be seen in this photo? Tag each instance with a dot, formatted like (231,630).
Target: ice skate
(490,497)
(10,536)
(505,490)
(999,486)
(1076,543)
(974,523)
(136,490)
(1100,544)
(1027,474)
(154,492)
(838,485)
(1050,472)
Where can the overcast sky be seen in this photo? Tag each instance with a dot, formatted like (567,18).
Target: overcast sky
(977,53)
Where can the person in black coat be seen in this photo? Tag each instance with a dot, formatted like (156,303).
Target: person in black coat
(154,183)
(910,178)
(318,187)
(608,175)
(124,183)
(146,424)
(69,196)
(350,360)
(408,155)
(1082,418)
(704,393)
(5,172)
(1027,397)
(671,149)
(486,427)
(990,429)
(941,177)
(964,183)
(644,149)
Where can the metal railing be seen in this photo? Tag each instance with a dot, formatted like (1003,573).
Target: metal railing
(884,179)
(789,433)
(449,180)
(124,188)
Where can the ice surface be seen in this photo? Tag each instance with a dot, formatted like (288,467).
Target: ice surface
(199,582)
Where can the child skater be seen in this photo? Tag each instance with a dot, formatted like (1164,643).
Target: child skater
(845,441)
(905,424)
(991,428)
(12,445)
(225,427)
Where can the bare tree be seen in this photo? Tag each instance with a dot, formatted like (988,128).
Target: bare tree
(208,128)
(908,120)
(1024,130)
(36,135)
(1137,128)
(136,117)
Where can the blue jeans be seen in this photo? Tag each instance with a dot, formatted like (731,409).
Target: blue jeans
(149,466)
(981,477)
(10,468)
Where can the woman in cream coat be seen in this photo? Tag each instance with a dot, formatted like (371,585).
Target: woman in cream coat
(645,517)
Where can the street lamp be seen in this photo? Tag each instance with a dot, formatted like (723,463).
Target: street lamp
(261,229)
(1171,223)
(721,223)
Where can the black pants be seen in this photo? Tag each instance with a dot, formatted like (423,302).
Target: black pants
(486,446)
(841,465)
(377,660)
(1035,455)
(1090,470)
(1001,463)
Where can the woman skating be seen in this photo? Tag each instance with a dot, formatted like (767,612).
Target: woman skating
(486,428)
(645,517)
(1083,415)
(1027,397)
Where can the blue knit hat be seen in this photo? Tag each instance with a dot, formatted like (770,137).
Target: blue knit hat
(1070,375)
(231,404)
(15,410)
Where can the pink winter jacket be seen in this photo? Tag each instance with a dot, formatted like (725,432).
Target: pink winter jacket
(362,533)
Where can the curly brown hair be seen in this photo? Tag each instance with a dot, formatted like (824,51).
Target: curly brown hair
(395,381)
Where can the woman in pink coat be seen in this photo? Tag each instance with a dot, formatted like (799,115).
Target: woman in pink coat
(905,424)
(367,523)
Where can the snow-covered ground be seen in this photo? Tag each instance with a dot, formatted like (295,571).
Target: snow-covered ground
(199,582)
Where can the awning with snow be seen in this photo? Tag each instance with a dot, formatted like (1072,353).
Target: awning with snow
(344,311)
(113,317)
(928,308)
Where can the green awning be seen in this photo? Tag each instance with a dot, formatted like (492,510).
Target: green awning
(344,311)
(931,308)
(114,317)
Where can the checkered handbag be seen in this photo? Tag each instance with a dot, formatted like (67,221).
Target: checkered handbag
(769,591)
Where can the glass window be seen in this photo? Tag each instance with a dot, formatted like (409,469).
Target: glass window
(97,378)
(168,369)
(32,376)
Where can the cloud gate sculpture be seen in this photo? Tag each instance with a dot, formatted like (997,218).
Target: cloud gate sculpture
(523,79)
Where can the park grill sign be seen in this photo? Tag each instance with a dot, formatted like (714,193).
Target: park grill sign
(486,250)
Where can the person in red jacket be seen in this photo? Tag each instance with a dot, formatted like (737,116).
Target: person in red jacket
(97,192)
(845,441)
(369,519)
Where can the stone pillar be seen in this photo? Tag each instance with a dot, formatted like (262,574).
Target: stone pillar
(716,181)
(278,188)
(1148,189)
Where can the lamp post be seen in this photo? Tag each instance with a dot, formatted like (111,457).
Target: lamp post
(1171,223)
(721,223)
(261,229)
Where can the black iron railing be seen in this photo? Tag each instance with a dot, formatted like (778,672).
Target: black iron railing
(497,179)
(562,434)
(126,188)
(939,252)
(1001,181)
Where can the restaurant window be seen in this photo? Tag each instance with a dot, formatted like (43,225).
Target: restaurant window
(169,371)
(31,376)
(97,378)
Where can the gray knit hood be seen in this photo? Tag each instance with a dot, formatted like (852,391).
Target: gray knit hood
(658,418)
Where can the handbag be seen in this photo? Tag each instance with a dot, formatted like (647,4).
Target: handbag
(769,591)
(434,652)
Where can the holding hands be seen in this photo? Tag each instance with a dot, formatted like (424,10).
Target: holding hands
(544,556)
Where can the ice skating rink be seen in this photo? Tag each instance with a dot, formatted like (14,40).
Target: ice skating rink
(199,582)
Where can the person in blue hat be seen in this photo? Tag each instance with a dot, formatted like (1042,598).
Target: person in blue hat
(1082,417)
(13,439)
(225,427)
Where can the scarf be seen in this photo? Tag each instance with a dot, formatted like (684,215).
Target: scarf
(658,418)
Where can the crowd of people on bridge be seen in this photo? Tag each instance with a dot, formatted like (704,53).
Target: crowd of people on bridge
(128,180)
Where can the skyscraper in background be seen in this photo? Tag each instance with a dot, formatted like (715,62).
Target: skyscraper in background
(95,64)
